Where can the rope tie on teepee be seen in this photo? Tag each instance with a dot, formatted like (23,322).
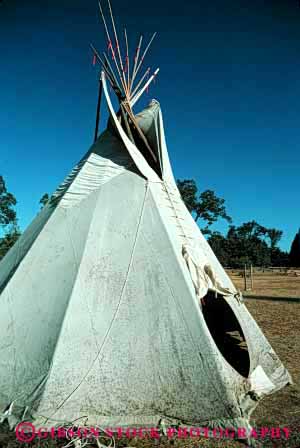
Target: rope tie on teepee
(204,276)
(200,280)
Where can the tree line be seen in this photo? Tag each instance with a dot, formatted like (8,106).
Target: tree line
(9,229)
(250,243)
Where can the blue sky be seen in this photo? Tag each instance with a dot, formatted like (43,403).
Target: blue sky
(229,87)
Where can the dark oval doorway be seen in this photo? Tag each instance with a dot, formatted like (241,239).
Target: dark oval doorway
(226,332)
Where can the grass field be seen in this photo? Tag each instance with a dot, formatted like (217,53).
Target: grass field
(269,284)
(280,321)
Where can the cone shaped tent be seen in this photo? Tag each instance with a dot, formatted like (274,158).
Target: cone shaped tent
(101,314)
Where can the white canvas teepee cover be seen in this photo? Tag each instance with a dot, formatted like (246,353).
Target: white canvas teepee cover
(100,303)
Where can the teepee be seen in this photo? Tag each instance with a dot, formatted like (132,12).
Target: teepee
(114,309)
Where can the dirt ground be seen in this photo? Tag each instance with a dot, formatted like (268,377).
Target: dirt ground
(280,321)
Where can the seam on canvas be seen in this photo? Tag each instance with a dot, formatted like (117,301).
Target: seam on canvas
(118,307)
(178,306)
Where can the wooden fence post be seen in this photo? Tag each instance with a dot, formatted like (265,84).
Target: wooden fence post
(251,276)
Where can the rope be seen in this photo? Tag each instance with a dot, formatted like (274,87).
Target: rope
(201,283)
(175,211)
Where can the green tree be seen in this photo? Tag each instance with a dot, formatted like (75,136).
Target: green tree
(44,199)
(7,203)
(8,219)
(274,236)
(294,255)
(247,244)
(279,257)
(205,206)
(8,240)
(188,190)
(219,245)
(249,230)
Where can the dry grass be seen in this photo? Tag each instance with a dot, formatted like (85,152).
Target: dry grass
(270,284)
(280,322)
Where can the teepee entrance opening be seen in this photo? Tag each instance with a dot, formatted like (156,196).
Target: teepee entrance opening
(226,332)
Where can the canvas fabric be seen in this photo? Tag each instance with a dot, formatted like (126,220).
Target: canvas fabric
(101,315)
